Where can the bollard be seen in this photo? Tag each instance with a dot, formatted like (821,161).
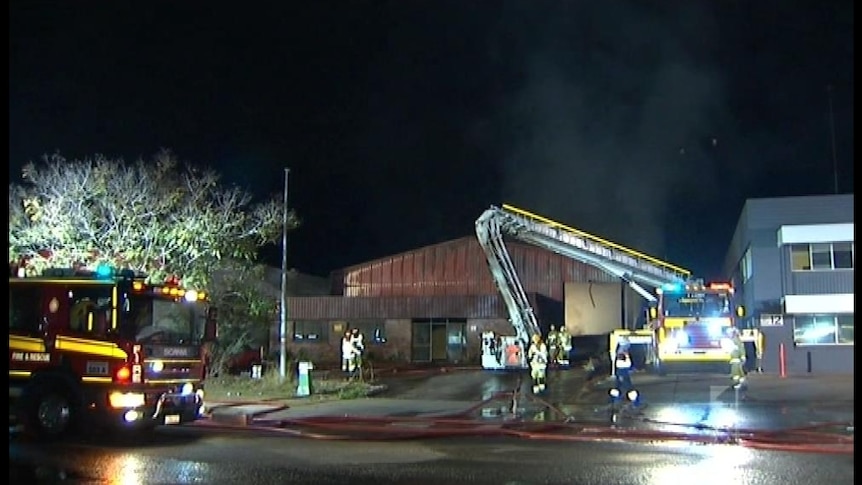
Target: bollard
(782,361)
(303,389)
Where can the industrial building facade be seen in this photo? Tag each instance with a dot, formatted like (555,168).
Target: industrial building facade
(792,260)
(432,304)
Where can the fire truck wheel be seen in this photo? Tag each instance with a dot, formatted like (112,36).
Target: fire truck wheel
(50,412)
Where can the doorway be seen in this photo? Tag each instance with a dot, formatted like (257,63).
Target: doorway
(439,340)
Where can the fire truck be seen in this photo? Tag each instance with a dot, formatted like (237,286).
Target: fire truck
(692,321)
(104,347)
(639,271)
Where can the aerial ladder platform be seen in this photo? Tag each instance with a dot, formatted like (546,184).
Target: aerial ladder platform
(643,273)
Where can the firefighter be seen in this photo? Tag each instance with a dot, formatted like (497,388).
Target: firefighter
(737,360)
(537,355)
(553,345)
(357,340)
(347,361)
(565,342)
(623,369)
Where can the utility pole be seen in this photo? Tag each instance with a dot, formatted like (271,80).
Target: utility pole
(282,331)
(832,129)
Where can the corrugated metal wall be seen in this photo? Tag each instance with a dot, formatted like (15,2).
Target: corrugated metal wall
(395,307)
(459,267)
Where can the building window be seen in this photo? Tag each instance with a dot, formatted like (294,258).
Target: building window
(845,329)
(842,255)
(822,256)
(372,331)
(823,329)
(310,331)
(800,257)
(745,266)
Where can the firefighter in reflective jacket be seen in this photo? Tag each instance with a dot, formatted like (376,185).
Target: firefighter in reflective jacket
(357,340)
(538,357)
(737,360)
(347,349)
(623,369)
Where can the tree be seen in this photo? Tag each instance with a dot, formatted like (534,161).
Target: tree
(152,216)
(247,310)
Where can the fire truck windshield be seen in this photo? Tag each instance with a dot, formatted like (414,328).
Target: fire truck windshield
(155,320)
(700,304)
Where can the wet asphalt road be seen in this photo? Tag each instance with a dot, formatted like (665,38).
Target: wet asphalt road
(696,400)
(193,455)
(207,455)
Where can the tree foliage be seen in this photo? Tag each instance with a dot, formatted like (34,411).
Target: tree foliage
(153,216)
(247,310)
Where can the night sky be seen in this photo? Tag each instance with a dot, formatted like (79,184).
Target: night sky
(648,123)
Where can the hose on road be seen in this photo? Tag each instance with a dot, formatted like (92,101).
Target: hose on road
(808,439)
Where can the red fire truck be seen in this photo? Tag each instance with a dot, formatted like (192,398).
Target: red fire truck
(104,347)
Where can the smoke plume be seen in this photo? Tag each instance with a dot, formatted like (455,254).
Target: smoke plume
(616,118)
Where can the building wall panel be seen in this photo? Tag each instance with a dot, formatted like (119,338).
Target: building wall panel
(821,282)
(336,307)
(818,209)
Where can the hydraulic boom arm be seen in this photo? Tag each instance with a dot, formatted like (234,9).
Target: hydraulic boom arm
(634,268)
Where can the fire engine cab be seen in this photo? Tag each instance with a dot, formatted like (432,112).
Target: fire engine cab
(104,347)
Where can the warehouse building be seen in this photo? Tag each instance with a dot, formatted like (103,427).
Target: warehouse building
(432,304)
(792,260)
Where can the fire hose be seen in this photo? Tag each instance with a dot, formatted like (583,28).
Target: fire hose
(808,439)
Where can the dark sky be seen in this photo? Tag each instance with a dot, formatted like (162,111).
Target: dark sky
(648,123)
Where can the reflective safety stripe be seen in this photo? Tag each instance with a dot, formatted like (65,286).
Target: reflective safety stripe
(735,361)
(623,364)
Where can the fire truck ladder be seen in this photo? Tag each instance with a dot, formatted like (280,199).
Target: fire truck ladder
(634,268)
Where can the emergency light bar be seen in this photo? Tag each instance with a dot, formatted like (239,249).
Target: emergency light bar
(695,285)
(169,290)
(107,272)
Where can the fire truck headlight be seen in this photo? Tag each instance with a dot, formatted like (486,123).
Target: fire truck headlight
(132,416)
(187,389)
(126,399)
(157,366)
(191,295)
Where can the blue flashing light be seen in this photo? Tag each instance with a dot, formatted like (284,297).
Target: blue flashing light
(104,271)
(672,288)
